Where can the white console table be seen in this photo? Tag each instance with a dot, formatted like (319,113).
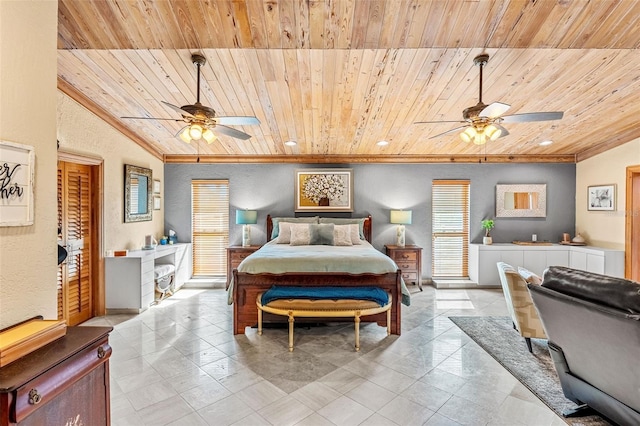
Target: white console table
(129,279)
(483,259)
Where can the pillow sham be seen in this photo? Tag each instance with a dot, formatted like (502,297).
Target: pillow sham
(300,234)
(529,276)
(275,221)
(342,235)
(346,221)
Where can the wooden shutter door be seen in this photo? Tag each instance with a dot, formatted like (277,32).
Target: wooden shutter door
(76,292)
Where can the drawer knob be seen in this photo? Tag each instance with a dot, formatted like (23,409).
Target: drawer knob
(34,397)
(405,256)
(101,352)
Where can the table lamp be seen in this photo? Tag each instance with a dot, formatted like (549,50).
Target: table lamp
(246,218)
(401,218)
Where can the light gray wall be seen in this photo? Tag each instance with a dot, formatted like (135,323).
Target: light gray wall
(269,188)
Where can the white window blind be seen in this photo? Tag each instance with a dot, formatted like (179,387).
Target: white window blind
(210,226)
(450,227)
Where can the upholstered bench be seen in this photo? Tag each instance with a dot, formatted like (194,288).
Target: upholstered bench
(323,302)
(164,278)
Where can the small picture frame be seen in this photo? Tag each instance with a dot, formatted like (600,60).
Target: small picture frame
(156,202)
(156,186)
(601,197)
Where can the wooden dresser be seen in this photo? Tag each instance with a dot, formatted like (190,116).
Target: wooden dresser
(65,382)
(235,255)
(409,261)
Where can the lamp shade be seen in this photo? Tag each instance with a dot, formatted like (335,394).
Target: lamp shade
(246,217)
(400,217)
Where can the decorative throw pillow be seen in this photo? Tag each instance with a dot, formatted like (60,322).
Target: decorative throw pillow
(300,235)
(355,233)
(284,235)
(342,235)
(321,234)
(529,276)
(275,221)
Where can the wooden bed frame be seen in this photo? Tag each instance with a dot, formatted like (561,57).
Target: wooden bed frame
(247,286)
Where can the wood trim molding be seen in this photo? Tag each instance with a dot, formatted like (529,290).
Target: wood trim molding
(360,159)
(632,173)
(79,158)
(83,100)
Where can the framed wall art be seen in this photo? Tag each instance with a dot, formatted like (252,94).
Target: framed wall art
(17,163)
(157,202)
(328,190)
(601,197)
(156,186)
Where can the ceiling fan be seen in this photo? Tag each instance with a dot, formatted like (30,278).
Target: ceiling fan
(484,122)
(202,120)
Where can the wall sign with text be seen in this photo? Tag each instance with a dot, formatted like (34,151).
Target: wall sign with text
(16,184)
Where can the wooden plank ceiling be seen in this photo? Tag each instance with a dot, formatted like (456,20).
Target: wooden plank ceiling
(337,76)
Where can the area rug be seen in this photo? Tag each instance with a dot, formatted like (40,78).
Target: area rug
(536,371)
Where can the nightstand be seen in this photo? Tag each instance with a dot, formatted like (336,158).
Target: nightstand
(235,255)
(409,261)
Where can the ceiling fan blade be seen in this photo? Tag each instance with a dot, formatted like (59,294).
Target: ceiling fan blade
(180,110)
(532,116)
(231,132)
(503,132)
(153,118)
(448,131)
(494,110)
(440,121)
(237,121)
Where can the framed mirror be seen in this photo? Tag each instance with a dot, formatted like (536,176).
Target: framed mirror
(521,200)
(138,199)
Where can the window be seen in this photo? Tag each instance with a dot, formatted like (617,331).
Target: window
(450,225)
(210,226)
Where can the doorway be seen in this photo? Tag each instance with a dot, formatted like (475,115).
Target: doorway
(632,226)
(80,282)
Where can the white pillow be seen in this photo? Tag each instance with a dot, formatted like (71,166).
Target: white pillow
(354,231)
(300,234)
(284,236)
(342,235)
(529,276)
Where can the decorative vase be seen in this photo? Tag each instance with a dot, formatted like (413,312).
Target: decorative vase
(487,241)
(323,201)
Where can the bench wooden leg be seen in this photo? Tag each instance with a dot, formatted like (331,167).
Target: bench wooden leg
(291,331)
(388,321)
(357,325)
(259,322)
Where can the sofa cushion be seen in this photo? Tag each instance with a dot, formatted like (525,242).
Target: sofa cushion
(602,289)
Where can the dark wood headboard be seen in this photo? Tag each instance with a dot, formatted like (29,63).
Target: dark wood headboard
(366,228)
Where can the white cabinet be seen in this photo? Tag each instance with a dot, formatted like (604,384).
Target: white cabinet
(129,281)
(483,259)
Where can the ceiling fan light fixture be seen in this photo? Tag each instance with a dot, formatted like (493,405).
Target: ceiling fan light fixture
(185,136)
(469,134)
(195,131)
(209,136)
(492,132)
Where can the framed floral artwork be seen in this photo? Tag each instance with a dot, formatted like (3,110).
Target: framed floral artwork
(328,190)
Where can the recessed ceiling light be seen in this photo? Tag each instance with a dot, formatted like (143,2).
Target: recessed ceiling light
(291,143)
(382,143)
(545,143)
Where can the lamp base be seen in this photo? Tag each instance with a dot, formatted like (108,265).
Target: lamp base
(400,236)
(246,236)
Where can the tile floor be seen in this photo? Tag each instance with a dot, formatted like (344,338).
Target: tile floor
(178,363)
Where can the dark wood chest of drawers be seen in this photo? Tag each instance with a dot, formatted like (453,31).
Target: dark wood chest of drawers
(409,261)
(235,255)
(66,382)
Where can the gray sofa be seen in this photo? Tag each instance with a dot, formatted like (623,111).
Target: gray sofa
(593,325)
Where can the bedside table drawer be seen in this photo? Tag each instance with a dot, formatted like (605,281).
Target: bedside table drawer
(405,256)
(237,257)
(409,275)
(407,266)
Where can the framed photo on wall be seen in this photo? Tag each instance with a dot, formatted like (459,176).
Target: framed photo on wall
(156,202)
(156,186)
(601,197)
(324,190)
